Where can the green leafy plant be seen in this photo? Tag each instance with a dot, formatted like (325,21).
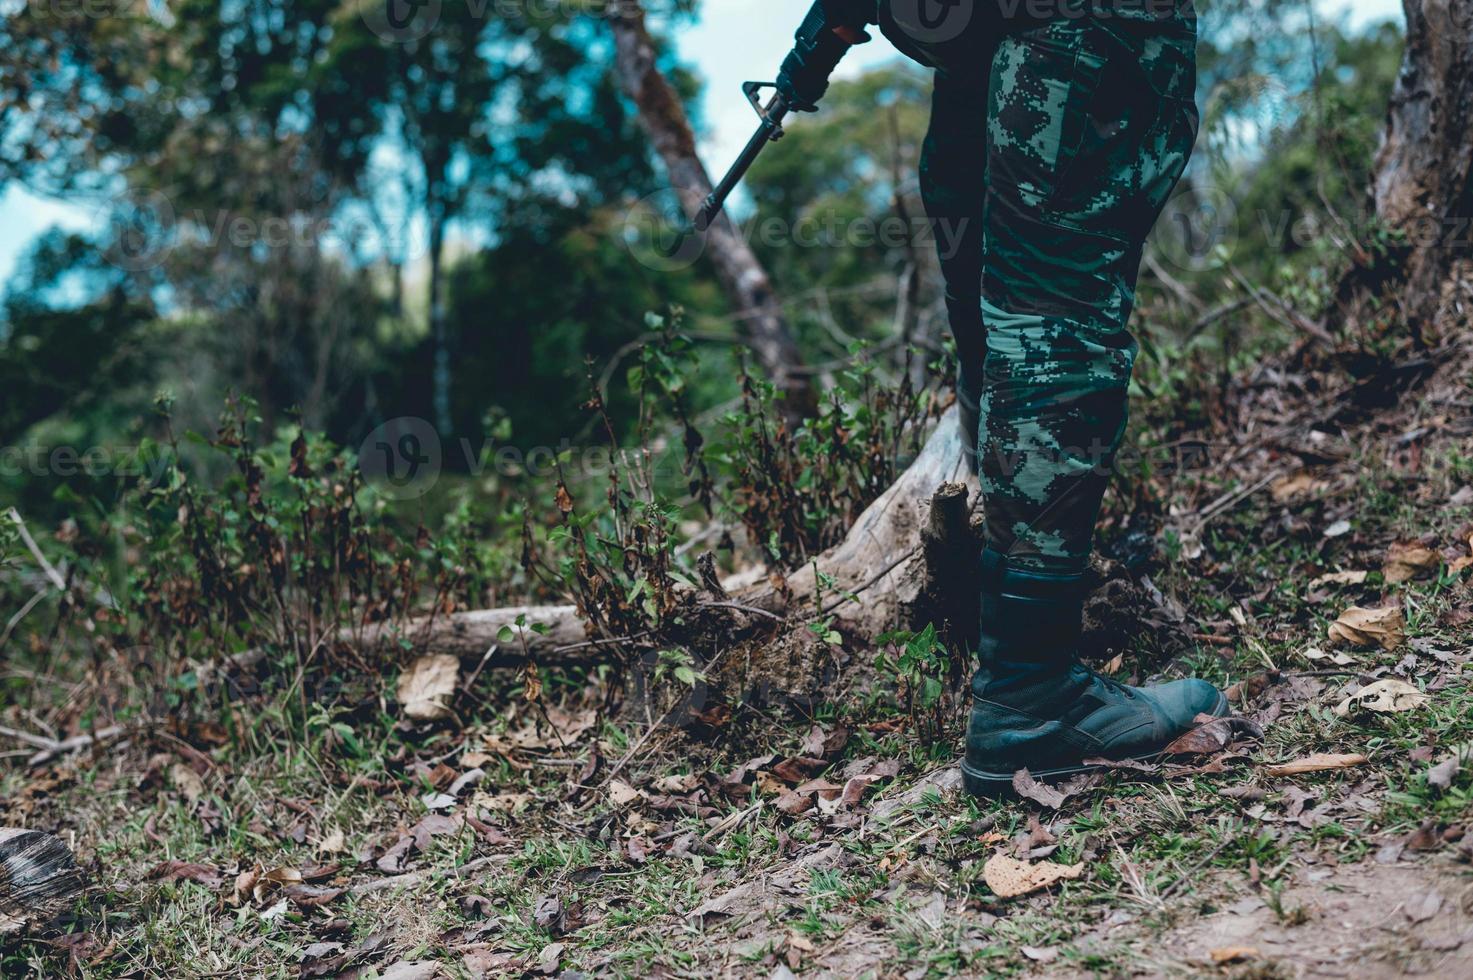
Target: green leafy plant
(678,665)
(277,555)
(924,672)
(797,491)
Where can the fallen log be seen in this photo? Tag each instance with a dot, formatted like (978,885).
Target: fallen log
(880,570)
(880,563)
(38,878)
(470,634)
(910,559)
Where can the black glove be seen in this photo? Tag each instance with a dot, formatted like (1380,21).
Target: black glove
(851,13)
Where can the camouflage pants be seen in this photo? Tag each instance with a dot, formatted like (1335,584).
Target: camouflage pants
(1057,146)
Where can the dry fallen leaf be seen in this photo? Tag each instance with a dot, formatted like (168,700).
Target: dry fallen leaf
(550,957)
(1423,907)
(821,744)
(1212,735)
(1440,776)
(1360,627)
(792,803)
(1337,658)
(393,858)
(622,794)
(186,781)
(1231,954)
(1031,789)
(1388,696)
(1426,837)
(1315,763)
(1009,878)
(333,842)
(501,802)
(676,784)
(1299,484)
(768,785)
(1351,577)
(187,871)
(425,687)
(1406,560)
(268,881)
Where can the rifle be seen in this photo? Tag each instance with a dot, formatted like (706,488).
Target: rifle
(801,83)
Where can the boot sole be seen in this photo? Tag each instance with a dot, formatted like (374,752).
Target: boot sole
(979,782)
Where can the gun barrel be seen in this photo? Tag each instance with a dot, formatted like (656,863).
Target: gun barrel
(772,119)
(801,82)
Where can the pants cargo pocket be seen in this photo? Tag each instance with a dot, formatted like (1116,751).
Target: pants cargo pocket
(1043,83)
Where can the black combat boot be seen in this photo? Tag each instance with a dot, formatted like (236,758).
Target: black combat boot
(1035,707)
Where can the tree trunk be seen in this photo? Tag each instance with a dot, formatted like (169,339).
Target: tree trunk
(440,372)
(1421,182)
(663,119)
(38,877)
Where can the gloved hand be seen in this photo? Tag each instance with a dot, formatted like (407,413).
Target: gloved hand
(847,18)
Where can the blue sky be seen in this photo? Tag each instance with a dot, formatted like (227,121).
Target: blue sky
(735,40)
(738,40)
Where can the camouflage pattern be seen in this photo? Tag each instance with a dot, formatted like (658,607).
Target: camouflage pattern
(1058,145)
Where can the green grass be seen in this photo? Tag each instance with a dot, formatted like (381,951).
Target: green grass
(1162,848)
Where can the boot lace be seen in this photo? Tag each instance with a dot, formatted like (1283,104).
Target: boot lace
(1112,685)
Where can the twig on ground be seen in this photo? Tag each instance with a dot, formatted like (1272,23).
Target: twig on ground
(1231,499)
(634,749)
(731,822)
(470,682)
(415,877)
(1281,311)
(21,614)
(754,610)
(1192,871)
(849,595)
(615,641)
(1212,316)
(75,743)
(38,741)
(35,550)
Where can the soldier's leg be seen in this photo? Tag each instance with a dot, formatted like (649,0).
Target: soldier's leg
(953,188)
(1090,125)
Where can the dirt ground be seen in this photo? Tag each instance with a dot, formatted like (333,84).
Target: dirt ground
(1317,568)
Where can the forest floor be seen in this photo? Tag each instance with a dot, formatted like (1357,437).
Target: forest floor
(834,842)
